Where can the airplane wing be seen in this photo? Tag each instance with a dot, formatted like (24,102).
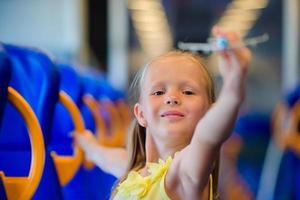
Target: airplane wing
(221,44)
(205,47)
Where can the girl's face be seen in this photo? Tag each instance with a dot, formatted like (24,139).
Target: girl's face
(173,98)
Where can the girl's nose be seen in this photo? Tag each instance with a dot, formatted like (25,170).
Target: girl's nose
(172,101)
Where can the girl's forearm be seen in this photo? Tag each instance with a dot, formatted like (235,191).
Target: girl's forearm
(216,126)
(109,159)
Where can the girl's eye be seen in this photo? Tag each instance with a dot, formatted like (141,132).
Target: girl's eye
(187,92)
(157,93)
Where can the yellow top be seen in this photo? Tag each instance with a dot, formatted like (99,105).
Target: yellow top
(137,187)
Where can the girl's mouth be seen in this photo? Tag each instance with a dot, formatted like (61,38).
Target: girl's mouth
(172,114)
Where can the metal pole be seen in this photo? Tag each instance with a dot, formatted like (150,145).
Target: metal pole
(118,43)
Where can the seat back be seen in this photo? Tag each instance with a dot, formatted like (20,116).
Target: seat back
(61,138)
(36,78)
(95,177)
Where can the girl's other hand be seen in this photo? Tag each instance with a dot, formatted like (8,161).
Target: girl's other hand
(86,141)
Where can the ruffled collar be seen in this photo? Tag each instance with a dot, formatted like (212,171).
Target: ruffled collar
(136,186)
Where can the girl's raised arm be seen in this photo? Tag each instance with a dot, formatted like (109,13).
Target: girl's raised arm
(196,160)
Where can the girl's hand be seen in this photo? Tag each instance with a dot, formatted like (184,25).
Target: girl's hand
(87,142)
(233,63)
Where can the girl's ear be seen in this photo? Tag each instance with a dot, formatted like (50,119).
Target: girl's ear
(139,115)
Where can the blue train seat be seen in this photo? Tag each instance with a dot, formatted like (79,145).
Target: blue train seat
(94,120)
(63,126)
(115,112)
(62,140)
(38,80)
(35,78)
(91,182)
(255,130)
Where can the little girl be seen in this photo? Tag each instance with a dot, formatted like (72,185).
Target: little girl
(179,129)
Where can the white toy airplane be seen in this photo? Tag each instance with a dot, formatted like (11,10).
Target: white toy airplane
(221,44)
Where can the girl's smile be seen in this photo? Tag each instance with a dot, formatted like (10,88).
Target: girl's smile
(172,115)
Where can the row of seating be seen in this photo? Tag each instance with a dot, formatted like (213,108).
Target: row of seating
(41,103)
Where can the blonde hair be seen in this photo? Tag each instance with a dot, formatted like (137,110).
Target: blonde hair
(137,134)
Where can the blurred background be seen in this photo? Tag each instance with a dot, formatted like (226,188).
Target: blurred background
(118,37)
